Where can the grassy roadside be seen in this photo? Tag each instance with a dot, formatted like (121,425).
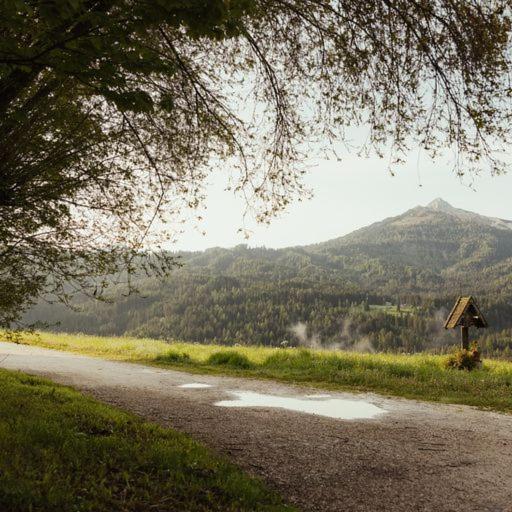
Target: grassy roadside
(62,451)
(418,376)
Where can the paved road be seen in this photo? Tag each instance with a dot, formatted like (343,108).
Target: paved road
(414,457)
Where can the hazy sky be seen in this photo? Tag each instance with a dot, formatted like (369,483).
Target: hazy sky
(348,195)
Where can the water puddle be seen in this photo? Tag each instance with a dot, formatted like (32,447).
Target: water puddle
(322,405)
(195,385)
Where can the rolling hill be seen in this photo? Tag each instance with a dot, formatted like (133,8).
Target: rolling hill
(328,292)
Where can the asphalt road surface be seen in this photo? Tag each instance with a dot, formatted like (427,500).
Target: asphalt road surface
(410,456)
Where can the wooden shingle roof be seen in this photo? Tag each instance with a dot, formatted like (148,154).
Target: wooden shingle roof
(465,310)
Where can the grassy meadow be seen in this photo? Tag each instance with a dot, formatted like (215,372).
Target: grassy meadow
(418,376)
(62,451)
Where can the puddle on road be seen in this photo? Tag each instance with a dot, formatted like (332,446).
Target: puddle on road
(331,407)
(195,385)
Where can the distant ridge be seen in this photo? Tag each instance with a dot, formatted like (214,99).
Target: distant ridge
(441,205)
(427,256)
(427,248)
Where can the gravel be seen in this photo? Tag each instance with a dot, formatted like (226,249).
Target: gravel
(416,457)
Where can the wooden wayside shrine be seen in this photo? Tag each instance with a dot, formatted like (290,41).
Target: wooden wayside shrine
(465,314)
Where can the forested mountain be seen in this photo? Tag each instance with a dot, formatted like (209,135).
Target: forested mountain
(432,250)
(385,287)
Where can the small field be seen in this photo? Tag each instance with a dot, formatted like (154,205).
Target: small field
(420,376)
(392,310)
(62,451)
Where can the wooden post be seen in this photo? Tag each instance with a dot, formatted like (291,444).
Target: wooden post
(464,335)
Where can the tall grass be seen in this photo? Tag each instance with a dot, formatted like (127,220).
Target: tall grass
(231,359)
(419,376)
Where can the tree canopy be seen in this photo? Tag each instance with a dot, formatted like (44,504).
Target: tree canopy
(114,112)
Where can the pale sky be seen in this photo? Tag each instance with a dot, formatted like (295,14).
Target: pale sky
(347,195)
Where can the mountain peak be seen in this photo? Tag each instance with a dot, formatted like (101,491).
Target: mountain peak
(440,205)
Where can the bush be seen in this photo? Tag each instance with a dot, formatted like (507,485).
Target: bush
(174,357)
(291,359)
(463,359)
(230,358)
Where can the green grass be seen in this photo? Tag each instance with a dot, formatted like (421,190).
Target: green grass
(61,451)
(419,376)
(230,359)
(392,310)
